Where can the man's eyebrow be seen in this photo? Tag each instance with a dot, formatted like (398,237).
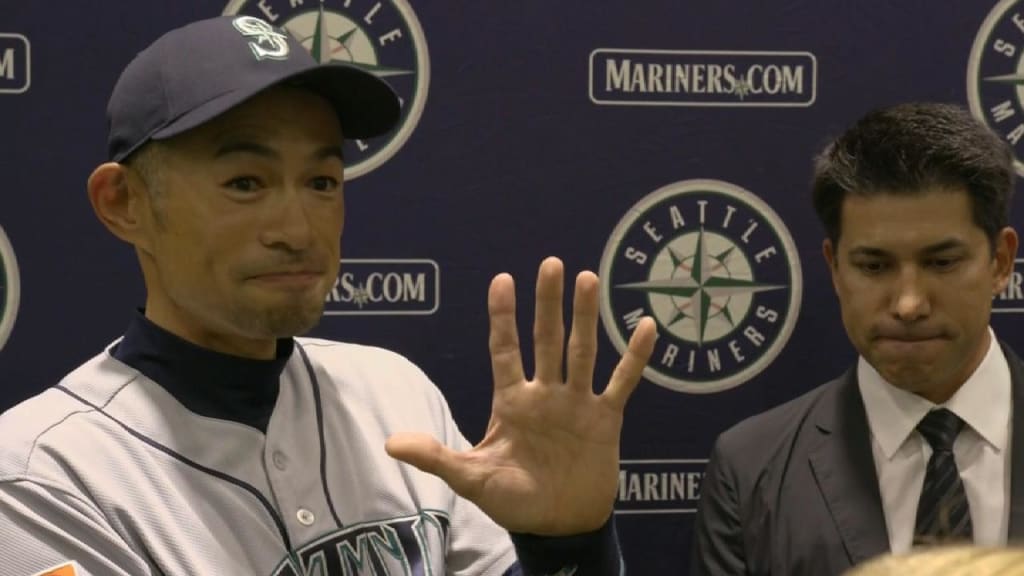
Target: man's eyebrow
(947,244)
(868,251)
(245,147)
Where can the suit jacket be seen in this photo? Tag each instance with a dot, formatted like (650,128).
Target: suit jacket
(794,490)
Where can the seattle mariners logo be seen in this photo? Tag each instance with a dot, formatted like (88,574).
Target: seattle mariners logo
(995,75)
(267,42)
(8,288)
(717,270)
(381,36)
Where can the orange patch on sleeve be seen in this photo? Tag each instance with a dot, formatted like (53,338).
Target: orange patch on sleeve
(65,570)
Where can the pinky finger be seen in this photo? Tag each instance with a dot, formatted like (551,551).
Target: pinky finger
(627,372)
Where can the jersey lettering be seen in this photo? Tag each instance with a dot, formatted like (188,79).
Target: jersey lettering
(411,546)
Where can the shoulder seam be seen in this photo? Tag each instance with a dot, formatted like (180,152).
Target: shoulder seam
(85,410)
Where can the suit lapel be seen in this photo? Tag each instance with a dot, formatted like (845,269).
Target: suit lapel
(845,471)
(1016,528)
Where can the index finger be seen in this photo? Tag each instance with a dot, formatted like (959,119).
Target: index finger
(506,359)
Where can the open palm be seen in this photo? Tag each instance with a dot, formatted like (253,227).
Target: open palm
(549,461)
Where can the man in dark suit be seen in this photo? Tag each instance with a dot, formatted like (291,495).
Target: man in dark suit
(914,443)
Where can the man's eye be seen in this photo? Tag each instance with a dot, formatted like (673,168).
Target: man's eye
(323,183)
(873,267)
(943,263)
(244,184)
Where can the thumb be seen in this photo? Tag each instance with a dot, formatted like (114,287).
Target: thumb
(427,454)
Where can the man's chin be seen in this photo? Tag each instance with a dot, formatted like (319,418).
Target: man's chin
(286,323)
(916,381)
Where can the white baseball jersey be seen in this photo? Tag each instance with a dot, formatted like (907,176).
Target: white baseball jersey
(160,457)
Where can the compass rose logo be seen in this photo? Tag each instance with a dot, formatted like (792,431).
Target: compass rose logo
(995,75)
(702,286)
(381,36)
(719,272)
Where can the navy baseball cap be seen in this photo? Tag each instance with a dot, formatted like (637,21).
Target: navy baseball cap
(197,72)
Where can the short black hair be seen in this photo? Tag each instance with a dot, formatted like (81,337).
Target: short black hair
(910,148)
(147,161)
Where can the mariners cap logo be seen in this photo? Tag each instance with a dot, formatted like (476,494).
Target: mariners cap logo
(268,43)
(719,272)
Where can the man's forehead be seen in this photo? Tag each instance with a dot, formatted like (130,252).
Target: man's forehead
(911,239)
(913,222)
(906,209)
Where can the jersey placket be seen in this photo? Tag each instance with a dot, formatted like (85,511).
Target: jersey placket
(292,459)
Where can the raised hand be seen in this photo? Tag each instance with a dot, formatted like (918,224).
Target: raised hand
(549,461)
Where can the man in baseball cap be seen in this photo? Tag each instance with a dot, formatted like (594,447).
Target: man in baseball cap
(212,439)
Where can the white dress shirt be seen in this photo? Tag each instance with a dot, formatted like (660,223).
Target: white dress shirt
(981,451)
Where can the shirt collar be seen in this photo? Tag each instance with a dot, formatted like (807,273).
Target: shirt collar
(982,402)
(206,382)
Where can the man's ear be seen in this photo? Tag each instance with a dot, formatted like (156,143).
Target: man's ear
(118,199)
(828,249)
(1005,255)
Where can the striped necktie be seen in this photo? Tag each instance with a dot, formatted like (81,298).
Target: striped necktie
(943,513)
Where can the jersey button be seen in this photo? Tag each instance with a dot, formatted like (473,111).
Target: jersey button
(306,518)
(280,460)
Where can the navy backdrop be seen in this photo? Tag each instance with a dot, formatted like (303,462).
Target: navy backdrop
(664,143)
